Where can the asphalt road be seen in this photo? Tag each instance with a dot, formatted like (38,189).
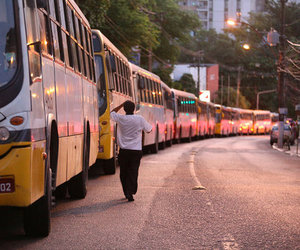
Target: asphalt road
(227,193)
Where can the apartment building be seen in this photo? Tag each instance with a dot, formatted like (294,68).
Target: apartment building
(214,13)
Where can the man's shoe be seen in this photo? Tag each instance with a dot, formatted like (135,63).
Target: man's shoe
(130,197)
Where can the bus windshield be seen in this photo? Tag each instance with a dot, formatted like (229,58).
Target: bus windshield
(8,43)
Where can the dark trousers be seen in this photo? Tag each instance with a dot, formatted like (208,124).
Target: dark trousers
(129,161)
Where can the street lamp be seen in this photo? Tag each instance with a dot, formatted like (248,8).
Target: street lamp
(246,46)
(280,67)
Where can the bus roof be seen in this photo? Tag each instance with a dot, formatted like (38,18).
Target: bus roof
(109,44)
(144,72)
(183,93)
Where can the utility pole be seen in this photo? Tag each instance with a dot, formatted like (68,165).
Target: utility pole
(198,80)
(228,86)
(238,87)
(222,79)
(150,59)
(280,69)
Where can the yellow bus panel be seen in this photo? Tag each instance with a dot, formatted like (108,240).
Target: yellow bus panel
(28,175)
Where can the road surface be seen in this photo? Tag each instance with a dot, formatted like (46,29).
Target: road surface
(222,193)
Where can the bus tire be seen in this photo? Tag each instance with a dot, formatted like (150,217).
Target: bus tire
(37,215)
(109,166)
(170,143)
(189,139)
(154,147)
(77,186)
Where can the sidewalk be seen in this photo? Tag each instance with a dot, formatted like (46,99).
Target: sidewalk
(292,151)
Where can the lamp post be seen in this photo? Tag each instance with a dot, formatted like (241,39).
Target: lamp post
(260,93)
(280,69)
(280,89)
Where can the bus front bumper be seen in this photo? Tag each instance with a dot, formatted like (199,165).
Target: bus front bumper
(20,183)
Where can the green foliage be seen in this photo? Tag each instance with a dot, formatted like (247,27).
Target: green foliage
(188,83)
(227,97)
(94,10)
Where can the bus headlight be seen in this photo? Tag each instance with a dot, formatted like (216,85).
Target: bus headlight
(4,134)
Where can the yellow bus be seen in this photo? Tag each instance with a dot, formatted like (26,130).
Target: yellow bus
(48,106)
(113,76)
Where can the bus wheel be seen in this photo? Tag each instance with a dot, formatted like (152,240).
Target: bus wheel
(109,166)
(190,135)
(154,147)
(77,185)
(37,215)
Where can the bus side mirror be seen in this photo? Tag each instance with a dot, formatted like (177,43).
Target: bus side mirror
(141,83)
(36,46)
(113,64)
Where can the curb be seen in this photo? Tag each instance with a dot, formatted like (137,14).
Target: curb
(291,152)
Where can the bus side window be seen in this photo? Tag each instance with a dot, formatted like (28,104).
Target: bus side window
(55,41)
(31,22)
(146,92)
(46,46)
(111,85)
(82,49)
(52,9)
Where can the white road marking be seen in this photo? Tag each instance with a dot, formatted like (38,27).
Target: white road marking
(193,173)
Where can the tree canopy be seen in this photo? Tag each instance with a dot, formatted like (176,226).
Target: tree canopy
(166,35)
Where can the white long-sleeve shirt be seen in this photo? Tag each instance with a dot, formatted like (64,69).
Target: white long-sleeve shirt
(129,130)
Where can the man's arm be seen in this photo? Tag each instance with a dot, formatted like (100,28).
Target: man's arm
(116,109)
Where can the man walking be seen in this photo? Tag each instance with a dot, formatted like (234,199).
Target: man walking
(129,136)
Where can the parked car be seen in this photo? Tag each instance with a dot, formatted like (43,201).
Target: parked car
(287,137)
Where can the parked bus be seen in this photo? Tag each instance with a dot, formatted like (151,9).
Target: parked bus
(235,121)
(261,121)
(246,122)
(185,124)
(150,105)
(223,120)
(211,119)
(274,118)
(169,113)
(48,106)
(202,119)
(113,76)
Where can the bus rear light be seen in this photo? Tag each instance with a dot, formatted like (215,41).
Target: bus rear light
(17,120)
(101,149)
(104,123)
(4,134)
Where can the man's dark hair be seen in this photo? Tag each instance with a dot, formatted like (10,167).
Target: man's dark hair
(129,107)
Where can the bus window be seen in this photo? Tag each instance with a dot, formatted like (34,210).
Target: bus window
(70,21)
(102,98)
(56,48)
(8,45)
(77,32)
(45,33)
(52,9)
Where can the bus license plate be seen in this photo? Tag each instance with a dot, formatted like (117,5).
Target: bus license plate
(7,185)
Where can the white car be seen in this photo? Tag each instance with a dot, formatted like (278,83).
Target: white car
(288,136)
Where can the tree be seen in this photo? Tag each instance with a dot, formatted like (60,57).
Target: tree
(243,102)
(188,83)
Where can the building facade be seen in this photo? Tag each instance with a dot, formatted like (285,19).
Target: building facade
(214,13)
(208,76)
